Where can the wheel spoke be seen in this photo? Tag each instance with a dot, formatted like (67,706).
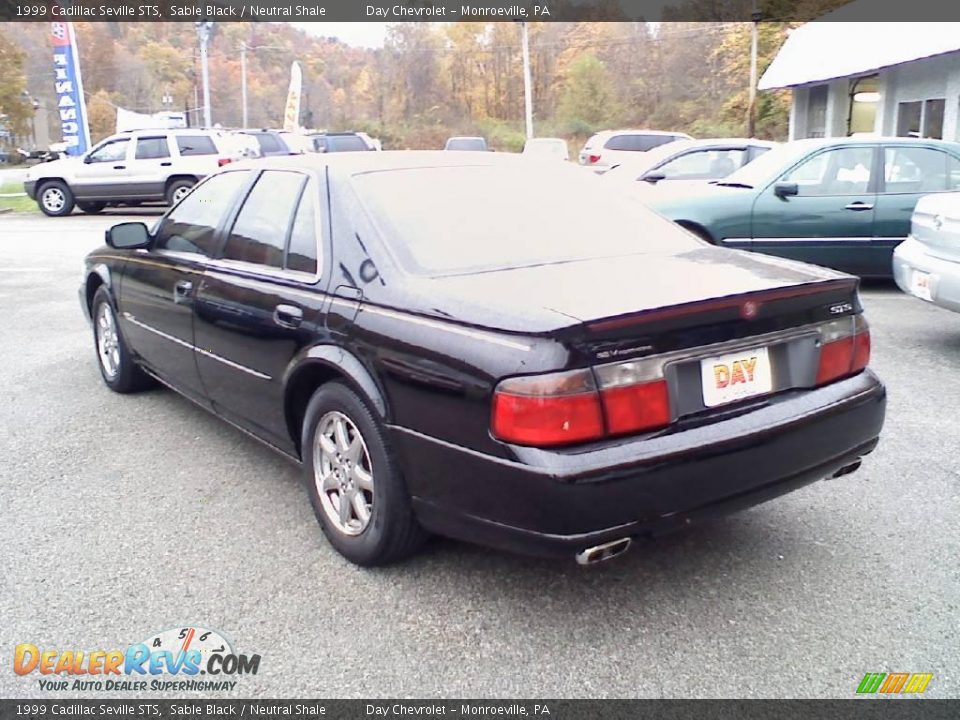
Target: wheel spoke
(343,440)
(328,482)
(355,450)
(360,508)
(327,445)
(343,505)
(362,478)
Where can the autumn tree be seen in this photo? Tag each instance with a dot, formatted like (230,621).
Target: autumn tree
(15,107)
(588,94)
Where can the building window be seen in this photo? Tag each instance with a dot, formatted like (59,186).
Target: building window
(817,111)
(921,118)
(864,100)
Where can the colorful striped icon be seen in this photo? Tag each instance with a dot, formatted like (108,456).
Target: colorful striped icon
(894,683)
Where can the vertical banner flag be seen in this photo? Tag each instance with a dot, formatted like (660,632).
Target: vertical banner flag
(69,87)
(291,116)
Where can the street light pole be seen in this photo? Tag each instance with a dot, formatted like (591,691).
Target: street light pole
(203,32)
(527,89)
(243,80)
(752,103)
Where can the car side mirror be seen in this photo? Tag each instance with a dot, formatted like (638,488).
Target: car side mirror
(87,159)
(653,177)
(128,236)
(783,190)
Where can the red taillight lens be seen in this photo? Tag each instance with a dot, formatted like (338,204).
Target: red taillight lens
(546,410)
(844,349)
(224,161)
(633,408)
(593,159)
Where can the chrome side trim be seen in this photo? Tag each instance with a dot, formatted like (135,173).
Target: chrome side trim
(205,353)
(854,240)
(435,324)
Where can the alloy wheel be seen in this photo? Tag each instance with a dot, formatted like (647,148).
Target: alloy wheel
(343,473)
(53,199)
(108,341)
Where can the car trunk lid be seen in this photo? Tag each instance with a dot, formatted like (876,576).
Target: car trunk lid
(936,224)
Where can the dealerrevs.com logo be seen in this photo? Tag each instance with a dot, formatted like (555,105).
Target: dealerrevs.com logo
(179,659)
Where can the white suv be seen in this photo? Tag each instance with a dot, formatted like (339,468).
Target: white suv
(611,147)
(130,168)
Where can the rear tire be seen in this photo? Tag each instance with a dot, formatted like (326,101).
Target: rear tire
(346,456)
(55,198)
(117,367)
(92,208)
(178,190)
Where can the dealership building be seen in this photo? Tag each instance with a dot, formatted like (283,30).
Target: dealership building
(883,78)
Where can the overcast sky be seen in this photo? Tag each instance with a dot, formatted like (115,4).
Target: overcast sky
(360,34)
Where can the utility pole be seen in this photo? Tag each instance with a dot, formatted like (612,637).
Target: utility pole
(243,80)
(752,103)
(527,89)
(203,32)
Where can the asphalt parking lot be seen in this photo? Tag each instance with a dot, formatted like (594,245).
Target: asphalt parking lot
(124,516)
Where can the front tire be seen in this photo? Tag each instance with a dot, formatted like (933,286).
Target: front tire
(178,190)
(117,367)
(92,208)
(55,198)
(355,486)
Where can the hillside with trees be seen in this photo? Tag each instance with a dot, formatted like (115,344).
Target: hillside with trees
(427,82)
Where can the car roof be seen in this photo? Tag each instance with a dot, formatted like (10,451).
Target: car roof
(814,143)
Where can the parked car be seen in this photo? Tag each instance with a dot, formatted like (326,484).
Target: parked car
(546,149)
(686,162)
(478,144)
(927,263)
(271,142)
(330,142)
(129,167)
(519,388)
(844,202)
(296,142)
(612,147)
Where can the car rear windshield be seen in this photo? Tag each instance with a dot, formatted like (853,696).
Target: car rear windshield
(638,142)
(453,220)
(196,145)
(467,144)
(345,143)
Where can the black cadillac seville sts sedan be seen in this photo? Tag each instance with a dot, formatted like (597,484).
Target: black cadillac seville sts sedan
(487,349)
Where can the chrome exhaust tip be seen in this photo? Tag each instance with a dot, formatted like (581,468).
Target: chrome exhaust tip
(606,551)
(847,469)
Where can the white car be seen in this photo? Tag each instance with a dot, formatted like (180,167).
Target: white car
(686,162)
(927,263)
(612,147)
(130,168)
(546,149)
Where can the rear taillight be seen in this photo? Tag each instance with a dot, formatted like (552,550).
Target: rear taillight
(844,348)
(224,161)
(593,159)
(578,406)
(545,410)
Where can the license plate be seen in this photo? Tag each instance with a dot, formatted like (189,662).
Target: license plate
(920,285)
(735,376)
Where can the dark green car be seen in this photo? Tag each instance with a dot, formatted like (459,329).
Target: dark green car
(844,203)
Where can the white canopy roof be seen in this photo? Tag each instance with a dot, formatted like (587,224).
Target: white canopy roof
(823,50)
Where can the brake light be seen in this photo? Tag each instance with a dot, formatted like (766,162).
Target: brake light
(593,159)
(582,405)
(546,410)
(844,348)
(224,161)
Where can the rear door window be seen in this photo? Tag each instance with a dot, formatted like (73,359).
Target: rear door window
(196,145)
(191,226)
(152,148)
(260,231)
(637,142)
(918,170)
(302,249)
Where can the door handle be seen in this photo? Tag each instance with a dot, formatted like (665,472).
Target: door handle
(119,167)
(859,205)
(288,316)
(166,164)
(181,291)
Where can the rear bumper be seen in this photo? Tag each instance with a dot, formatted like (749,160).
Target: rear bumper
(911,255)
(556,503)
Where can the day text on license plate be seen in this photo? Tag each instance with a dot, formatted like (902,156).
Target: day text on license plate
(735,376)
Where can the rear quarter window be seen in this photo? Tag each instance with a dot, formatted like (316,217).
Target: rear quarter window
(196,145)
